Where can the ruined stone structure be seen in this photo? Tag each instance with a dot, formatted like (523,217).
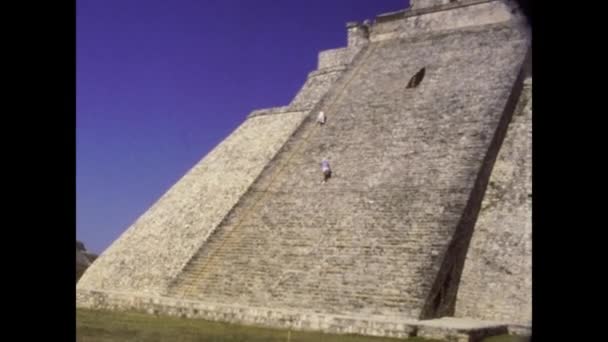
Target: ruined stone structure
(428,110)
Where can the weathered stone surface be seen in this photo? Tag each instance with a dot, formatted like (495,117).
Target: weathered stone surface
(269,111)
(453,16)
(417,4)
(357,34)
(156,247)
(317,84)
(405,162)
(496,282)
(332,64)
(459,330)
(336,57)
(372,325)
(251,235)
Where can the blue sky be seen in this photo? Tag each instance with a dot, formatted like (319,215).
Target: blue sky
(160,83)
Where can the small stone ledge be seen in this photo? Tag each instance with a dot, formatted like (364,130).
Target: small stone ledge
(272,111)
(273,318)
(460,329)
(449,328)
(324,71)
(520,330)
(444,18)
(396,15)
(336,57)
(397,31)
(406,13)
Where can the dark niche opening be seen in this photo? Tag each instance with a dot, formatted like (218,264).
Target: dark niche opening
(416,79)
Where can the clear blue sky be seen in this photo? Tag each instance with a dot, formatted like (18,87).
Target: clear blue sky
(162,82)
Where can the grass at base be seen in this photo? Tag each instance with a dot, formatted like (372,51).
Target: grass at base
(112,326)
(506,338)
(107,326)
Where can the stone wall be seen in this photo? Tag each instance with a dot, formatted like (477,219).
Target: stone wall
(270,111)
(156,247)
(357,34)
(251,235)
(153,251)
(259,316)
(332,64)
(497,282)
(416,4)
(405,161)
(445,329)
(336,57)
(452,16)
(317,84)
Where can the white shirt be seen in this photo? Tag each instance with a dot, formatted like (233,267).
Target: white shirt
(321,118)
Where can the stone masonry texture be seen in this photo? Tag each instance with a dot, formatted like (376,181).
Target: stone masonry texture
(404,165)
(156,247)
(496,283)
(448,17)
(336,57)
(416,4)
(383,243)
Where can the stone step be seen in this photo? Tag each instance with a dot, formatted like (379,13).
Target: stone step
(405,161)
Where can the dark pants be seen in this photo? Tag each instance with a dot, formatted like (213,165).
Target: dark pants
(326,174)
